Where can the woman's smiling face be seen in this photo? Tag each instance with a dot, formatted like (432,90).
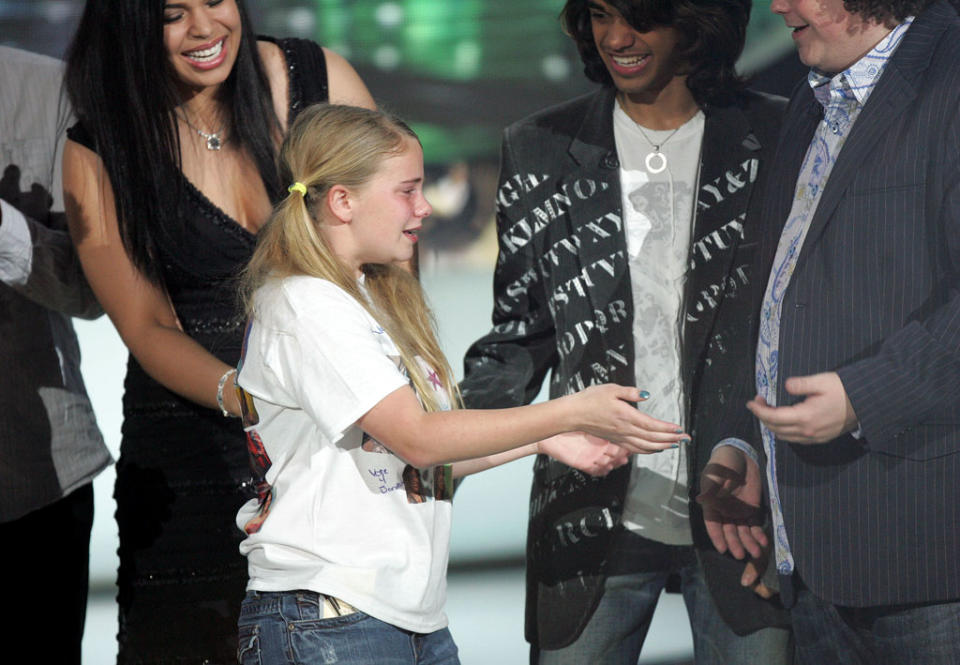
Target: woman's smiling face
(202,38)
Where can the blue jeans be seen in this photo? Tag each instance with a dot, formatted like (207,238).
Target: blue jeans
(286,628)
(617,629)
(891,635)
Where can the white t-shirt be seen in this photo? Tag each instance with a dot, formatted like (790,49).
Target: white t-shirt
(658,222)
(338,513)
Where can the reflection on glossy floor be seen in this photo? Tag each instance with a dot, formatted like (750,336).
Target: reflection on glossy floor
(486,619)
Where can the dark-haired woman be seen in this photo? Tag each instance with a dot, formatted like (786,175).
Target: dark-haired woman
(168,175)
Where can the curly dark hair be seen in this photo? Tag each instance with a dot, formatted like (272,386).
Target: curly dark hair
(712,37)
(883,11)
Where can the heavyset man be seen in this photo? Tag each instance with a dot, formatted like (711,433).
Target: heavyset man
(858,357)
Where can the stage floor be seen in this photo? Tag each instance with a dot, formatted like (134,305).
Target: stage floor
(486,619)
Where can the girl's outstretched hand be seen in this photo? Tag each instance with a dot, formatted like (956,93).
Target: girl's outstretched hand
(585,452)
(607,411)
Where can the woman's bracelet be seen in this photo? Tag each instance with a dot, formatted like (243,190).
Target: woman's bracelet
(223,382)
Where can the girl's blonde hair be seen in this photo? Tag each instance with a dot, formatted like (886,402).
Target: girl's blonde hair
(345,145)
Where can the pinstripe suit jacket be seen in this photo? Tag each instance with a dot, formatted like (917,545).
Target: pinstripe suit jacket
(874,296)
(563,305)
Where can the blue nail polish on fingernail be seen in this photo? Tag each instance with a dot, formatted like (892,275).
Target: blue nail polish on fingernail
(644,394)
(684,441)
(676,445)
(678,431)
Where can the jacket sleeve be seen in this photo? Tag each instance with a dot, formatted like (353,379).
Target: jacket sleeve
(506,367)
(914,376)
(38,261)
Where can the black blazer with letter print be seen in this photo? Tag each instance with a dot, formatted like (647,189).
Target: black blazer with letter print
(563,304)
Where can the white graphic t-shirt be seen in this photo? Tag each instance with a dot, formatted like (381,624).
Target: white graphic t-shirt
(658,223)
(337,512)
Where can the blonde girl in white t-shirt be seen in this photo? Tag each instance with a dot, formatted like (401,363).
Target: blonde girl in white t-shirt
(347,407)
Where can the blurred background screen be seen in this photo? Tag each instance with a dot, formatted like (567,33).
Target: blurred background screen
(457,71)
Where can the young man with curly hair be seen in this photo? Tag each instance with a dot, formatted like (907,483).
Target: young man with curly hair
(627,226)
(858,356)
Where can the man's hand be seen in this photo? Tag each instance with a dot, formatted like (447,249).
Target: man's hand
(731,489)
(825,414)
(588,453)
(35,203)
(753,574)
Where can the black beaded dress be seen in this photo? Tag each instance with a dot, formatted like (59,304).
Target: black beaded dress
(183,470)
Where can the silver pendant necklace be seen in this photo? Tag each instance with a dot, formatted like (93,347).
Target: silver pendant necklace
(656,161)
(214,140)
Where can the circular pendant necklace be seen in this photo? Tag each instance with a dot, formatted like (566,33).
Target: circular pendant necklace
(656,161)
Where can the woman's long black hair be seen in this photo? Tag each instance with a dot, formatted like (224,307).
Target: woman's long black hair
(121,86)
(712,32)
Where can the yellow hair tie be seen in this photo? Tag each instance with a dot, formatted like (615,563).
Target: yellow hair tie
(298,187)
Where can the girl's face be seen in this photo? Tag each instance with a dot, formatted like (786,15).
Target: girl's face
(202,38)
(390,209)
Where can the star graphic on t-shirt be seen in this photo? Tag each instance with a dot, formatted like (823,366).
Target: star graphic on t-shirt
(435,380)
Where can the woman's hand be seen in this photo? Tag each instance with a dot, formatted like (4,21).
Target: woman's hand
(585,452)
(606,412)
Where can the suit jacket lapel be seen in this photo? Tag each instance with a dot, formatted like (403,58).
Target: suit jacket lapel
(728,146)
(603,246)
(889,99)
